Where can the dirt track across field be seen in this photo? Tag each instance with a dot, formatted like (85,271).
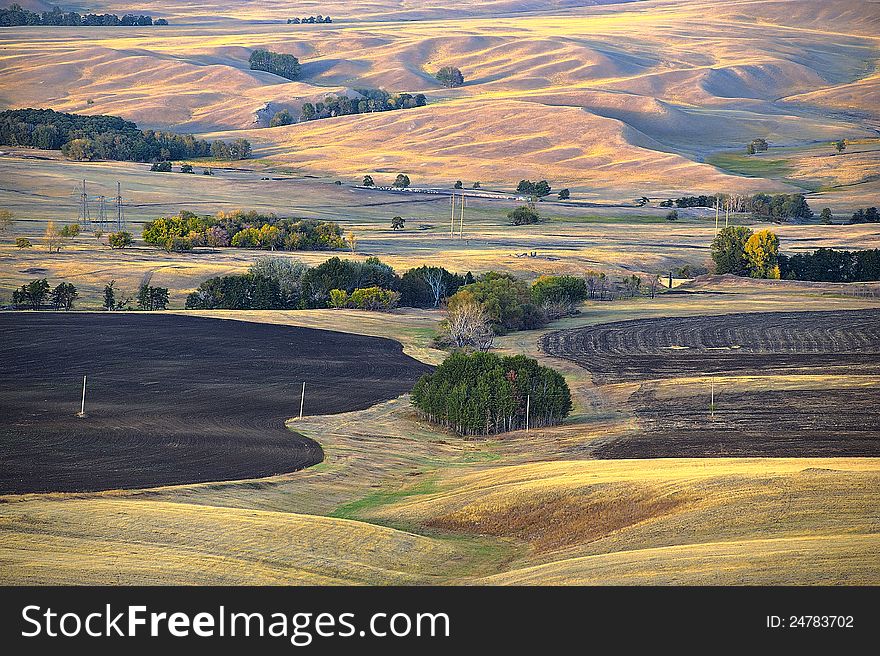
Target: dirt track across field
(831,422)
(174,399)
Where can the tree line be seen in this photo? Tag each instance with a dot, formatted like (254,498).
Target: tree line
(242,229)
(15,15)
(370,100)
(88,138)
(774,207)
(741,252)
(309,20)
(484,394)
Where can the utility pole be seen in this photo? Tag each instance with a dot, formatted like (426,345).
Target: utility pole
(82,408)
(102,212)
(727,213)
(302,401)
(120,215)
(712,401)
(452,221)
(528,408)
(670,280)
(461,219)
(84,207)
(717,208)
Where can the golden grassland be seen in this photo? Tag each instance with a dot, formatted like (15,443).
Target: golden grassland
(397,501)
(612,101)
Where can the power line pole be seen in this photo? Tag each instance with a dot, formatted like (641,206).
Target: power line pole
(452,220)
(302,401)
(84,217)
(528,409)
(102,212)
(120,214)
(82,408)
(461,219)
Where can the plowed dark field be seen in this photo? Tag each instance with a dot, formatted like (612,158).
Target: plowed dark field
(842,421)
(173,399)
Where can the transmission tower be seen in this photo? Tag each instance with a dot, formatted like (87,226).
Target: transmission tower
(102,213)
(120,212)
(84,219)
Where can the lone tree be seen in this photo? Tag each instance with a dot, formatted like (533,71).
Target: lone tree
(401,181)
(63,296)
(368,181)
(564,194)
(840,145)
(54,239)
(729,250)
(825,216)
(762,253)
(398,223)
(22,243)
(5,221)
(351,240)
(458,184)
(450,77)
(120,240)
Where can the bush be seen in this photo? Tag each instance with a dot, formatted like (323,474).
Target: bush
(483,394)
(161,167)
(564,194)
(558,296)
(120,239)
(23,242)
(523,215)
(374,298)
(507,302)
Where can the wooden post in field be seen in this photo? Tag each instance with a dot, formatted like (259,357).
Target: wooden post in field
(461,218)
(528,408)
(727,213)
(452,220)
(82,408)
(712,401)
(717,207)
(302,400)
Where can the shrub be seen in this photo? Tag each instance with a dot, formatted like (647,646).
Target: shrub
(507,302)
(557,296)
(450,77)
(120,239)
(374,298)
(23,242)
(483,394)
(161,167)
(523,215)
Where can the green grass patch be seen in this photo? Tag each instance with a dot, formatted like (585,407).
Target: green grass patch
(755,166)
(354,509)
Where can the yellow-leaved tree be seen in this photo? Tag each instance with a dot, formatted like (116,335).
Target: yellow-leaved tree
(762,254)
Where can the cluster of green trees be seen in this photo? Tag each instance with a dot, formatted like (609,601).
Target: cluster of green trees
(830,265)
(241,229)
(34,295)
(539,189)
(484,394)
(88,138)
(450,77)
(281,283)
(371,100)
(16,15)
(309,20)
(867,215)
(165,167)
(287,66)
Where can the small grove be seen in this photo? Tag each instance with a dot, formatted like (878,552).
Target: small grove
(483,394)
(240,229)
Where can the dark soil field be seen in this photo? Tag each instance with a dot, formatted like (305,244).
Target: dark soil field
(772,423)
(174,399)
(769,342)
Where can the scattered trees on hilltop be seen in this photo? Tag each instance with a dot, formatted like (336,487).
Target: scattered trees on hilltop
(483,394)
(287,66)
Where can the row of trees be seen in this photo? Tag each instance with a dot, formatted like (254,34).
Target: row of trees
(830,265)
(87,138)
(539,189)
(774,207)
(309,19)
(484,394)
(34,295)
(287,66)
(370,100)
(15,15)
(402,181)
(867,215)
(241,229)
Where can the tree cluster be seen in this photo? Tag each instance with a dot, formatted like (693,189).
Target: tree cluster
(370,100)
(34,295)
(484,394)
(284,65)
(372,298)
(15,15)
(539,189)
(88,138)
(773,207)
(309,20)
(450,77)
(242,229)
(868,215)
(737,250)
